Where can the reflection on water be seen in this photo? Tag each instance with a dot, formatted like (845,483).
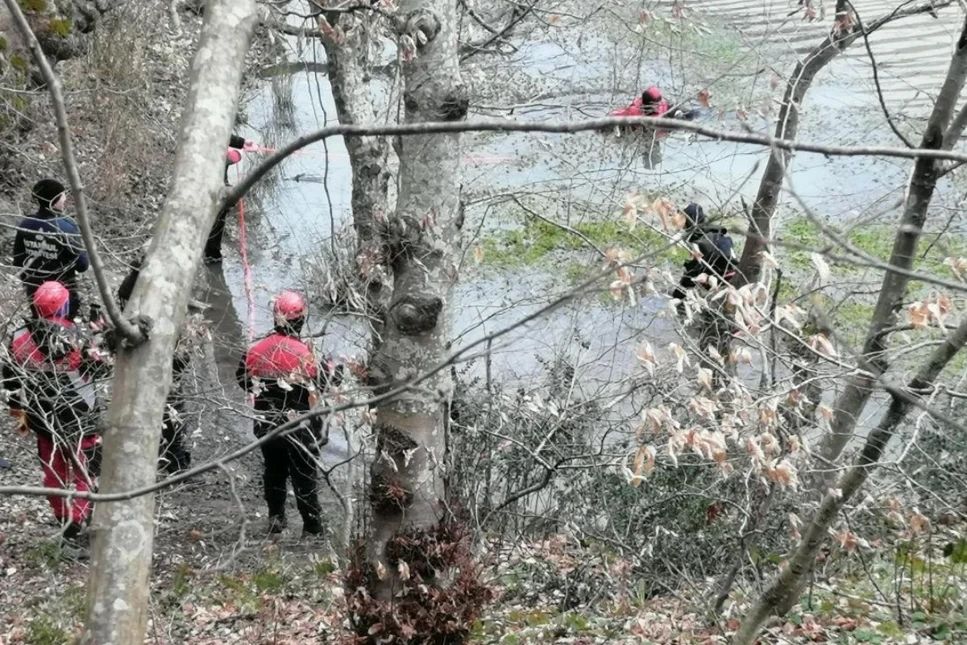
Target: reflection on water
(289,221)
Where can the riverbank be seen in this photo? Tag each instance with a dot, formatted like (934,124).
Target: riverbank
(550,591)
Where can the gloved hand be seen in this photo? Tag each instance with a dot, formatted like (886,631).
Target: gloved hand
(21,419)
(250,146)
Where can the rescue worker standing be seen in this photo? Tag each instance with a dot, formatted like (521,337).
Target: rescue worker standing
(213,247)
(714,246)
(174,452)
(48,245)
(48,377)
(284,376)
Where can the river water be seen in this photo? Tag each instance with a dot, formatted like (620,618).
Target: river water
(578,69)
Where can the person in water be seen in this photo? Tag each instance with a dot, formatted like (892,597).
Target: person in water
(650,103)
(213,247)
(715,253)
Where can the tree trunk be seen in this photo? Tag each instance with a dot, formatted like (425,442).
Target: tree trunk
(424,238)
(349,63)
(124,531)
(923,181)
(783,592)
(770,186)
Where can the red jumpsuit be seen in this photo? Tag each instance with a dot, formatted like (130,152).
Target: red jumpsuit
(659,108)
(50,382)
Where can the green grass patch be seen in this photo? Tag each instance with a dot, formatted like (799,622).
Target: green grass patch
(75,601)
(44,630)
(324,567)
(537,240)
(248,590)
(46,554)
(875,240)
(268,580)
(181,583)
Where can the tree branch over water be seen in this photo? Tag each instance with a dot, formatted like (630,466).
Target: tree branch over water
(573,127)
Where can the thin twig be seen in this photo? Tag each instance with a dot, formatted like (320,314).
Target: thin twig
(129,330)
(876,78)
(572,127)
(289,426)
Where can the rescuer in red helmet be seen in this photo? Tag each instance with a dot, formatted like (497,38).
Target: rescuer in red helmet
(282,372)
(213,246)
(650,103)
(48,374)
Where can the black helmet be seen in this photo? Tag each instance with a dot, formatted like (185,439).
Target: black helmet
(48,191)
(694,215)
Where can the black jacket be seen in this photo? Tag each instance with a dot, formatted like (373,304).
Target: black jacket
(715,245)
(48,247)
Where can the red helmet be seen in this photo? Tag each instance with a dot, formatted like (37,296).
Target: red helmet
(233,156)
(653,93)
(288,306)
(51,300)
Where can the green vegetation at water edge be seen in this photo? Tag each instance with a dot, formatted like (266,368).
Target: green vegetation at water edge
(875,240)
(538,239)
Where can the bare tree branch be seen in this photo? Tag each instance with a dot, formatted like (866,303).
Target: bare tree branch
(787,124)
(129,330)
(876,78)
(785,587)
(920,192)
(572,127)
(516,17)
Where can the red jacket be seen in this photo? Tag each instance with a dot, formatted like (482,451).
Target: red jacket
(635,109)
(50,379)
(284,375)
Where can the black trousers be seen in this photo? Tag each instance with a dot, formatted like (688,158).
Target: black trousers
(213,247)
(174,451)
(291,458)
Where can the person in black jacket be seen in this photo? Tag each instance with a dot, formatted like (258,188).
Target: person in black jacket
(284,377)
(48,244)
(213,247)
(715,246)
(174,453)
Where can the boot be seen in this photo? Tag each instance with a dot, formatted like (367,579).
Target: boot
(312,526)
(277,524)
(75,544)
